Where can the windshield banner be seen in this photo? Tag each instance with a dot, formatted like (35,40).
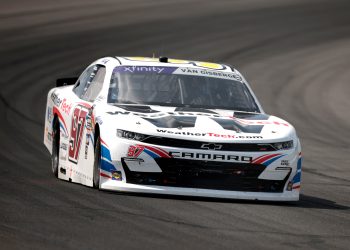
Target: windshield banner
(178,71)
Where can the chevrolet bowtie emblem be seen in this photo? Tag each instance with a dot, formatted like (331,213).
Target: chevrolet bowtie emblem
(211,146)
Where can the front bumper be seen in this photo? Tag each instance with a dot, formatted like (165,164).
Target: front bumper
(127,187)
(152,169)
(204,174)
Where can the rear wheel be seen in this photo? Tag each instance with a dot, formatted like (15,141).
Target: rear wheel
(55,147)
(97,163)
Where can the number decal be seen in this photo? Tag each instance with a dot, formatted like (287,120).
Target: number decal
(76,133)
(135,151)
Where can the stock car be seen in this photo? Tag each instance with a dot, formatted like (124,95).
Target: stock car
(168,126)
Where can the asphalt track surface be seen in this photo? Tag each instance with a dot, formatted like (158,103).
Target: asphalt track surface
(295,54)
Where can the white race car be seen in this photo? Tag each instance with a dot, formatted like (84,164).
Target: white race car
(166,126)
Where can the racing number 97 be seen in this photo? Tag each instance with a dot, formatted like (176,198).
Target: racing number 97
(76,133)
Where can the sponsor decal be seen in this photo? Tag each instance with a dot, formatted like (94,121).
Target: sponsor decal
(49,136)
(236,136)
(55,99)
(117,175)
(64,146)
(49,115)
(66,106)
(179,71)
(229,136)
(210,156)
(87,143)
(180,132)
(89,121)
(284,163)
(210,73)
(144,69)
(257,122)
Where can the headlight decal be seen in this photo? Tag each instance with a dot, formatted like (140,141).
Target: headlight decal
(131,135)
(283,145)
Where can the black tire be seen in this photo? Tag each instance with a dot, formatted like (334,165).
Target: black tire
(55,157)
(97,163)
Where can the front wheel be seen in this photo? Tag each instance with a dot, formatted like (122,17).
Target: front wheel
(55,147)
(97,163)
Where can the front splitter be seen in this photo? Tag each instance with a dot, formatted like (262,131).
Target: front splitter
(147,189)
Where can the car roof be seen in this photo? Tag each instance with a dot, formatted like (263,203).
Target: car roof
(113,62)
(170,62)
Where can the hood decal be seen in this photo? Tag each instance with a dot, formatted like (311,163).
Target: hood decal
(187,117)
(138,108)
(200,110)
(251,116)
(236,126)
(173,121)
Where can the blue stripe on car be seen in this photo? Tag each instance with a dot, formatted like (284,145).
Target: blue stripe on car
(266,163)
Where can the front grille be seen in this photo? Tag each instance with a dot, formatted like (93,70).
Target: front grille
(206,175)
(178,143)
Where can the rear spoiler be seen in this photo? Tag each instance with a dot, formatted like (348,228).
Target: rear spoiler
(66,81)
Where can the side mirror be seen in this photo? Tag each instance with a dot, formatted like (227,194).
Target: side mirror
(66,81)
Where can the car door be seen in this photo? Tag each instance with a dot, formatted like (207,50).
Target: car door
(81,148)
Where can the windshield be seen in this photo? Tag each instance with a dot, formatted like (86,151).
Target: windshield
(180,87)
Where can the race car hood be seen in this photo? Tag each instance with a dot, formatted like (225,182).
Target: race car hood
(199,124)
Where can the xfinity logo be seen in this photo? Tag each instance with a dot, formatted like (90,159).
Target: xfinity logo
(211,146)
(144,69)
